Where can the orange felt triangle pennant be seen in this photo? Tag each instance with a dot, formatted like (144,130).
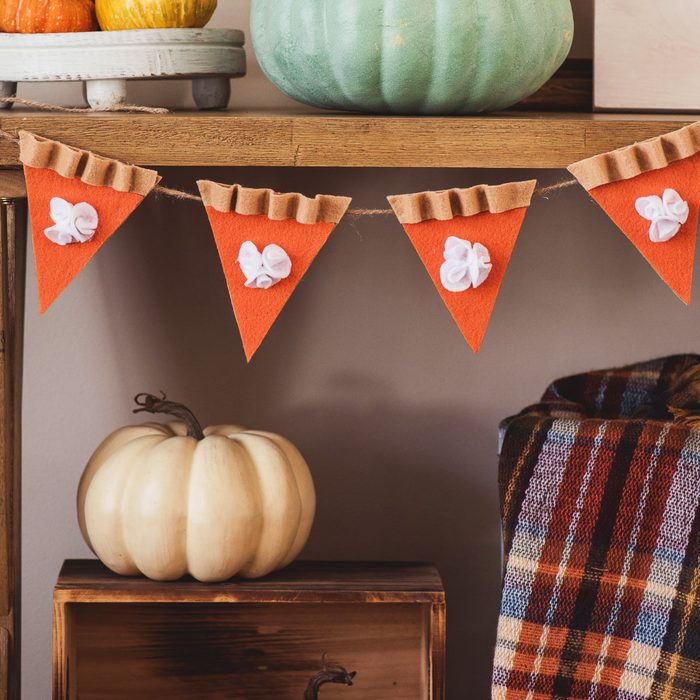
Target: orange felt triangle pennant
(618,179)
(298,225)
(57,265)
(58,178)
(490,216)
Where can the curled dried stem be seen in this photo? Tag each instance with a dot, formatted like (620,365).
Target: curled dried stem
(148,403)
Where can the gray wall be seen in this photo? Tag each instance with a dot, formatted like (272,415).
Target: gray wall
(365,371)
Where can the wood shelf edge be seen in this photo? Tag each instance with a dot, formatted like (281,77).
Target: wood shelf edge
(313,139)
(12,185)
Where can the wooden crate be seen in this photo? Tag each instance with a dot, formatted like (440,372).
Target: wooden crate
(645,55)
(117,638)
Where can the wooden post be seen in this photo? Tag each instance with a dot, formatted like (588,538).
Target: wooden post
(13,211)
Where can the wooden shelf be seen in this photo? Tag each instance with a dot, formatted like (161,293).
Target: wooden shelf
(312,139)
(12,185)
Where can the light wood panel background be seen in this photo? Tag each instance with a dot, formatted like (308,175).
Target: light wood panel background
(646,53)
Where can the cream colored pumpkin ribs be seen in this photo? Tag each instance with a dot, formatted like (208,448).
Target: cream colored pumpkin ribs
(167,500)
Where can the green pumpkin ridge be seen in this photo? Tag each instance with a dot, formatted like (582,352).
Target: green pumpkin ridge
(411,56)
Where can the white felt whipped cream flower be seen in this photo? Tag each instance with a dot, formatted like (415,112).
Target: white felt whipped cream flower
(667,215)
(266,269)
(72,223)
(465,265)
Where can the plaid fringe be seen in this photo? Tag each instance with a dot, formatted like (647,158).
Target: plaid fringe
(600,491)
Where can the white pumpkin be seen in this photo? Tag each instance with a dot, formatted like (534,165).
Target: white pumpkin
(167,500)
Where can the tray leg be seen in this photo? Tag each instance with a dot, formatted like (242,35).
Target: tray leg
(104,93)
(211,93)
(7,89)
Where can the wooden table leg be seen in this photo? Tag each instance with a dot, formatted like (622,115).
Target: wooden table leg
(13,212)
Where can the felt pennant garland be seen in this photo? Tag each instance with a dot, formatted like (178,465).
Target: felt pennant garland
(267,242)
(651,190)
(77,200)
(465,239)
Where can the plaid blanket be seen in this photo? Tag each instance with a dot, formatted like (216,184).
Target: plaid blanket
(600,488)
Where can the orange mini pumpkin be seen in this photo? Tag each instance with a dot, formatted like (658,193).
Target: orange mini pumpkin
(47,16)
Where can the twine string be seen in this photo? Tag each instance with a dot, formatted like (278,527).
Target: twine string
(8,137)
(46,107)
(359,213)
(176,194)
(543,192)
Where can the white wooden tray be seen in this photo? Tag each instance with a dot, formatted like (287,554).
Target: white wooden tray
(104,61)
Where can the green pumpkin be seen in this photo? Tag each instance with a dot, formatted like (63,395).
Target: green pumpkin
(411,56)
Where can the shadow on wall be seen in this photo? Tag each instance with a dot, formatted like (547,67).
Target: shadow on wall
(396,480)
(387,491)
(354,417)
(365,371)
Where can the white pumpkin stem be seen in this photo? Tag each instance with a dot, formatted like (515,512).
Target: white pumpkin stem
(332,673)
(152,404)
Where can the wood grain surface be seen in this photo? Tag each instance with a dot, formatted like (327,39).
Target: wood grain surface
(89,581)
(569,90)
(12,185)
(438,649)
(247,652)
(4,664)
(12,267)
(140,53)
(118,637)
(508,140)
(644,53)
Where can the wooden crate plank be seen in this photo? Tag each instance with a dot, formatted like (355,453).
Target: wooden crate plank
(247,652)
(302,582)
(60,654)
(64,653)
(4,664)
(117,637)
(438,651)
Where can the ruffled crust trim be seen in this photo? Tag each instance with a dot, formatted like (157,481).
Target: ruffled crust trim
(38,152)
(630,161)
(275,205)
(448,204)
